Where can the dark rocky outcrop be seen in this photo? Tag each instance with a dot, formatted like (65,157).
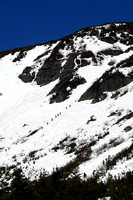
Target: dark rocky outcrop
(126,63)
(21,55)
(110,33)
(87,54)
(109,82)
(67,78)
(50,71)
(27,75)
(111,52)
(63,89)
(53,67)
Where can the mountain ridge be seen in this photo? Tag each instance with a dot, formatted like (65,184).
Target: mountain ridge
(71,99)
(23,47)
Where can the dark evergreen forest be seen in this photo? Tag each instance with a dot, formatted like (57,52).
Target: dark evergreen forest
(60,186)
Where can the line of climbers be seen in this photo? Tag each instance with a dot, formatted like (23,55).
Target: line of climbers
(52,119)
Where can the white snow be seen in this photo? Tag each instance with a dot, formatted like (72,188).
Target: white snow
(25,108)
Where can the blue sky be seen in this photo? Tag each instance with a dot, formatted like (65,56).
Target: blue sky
(28,22)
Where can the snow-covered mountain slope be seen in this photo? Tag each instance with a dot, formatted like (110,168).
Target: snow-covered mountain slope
(68,103)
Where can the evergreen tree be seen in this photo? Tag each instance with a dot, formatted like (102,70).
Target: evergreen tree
(20,187)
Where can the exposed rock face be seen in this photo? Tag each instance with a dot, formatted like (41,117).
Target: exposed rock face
(126,63)
(111,52)
(63,89)
(27,75)
(73,52)
(21,55)
(107,83)
(70,54)
(76,111)
(110,35)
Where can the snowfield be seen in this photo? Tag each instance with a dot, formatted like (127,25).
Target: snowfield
(37,135)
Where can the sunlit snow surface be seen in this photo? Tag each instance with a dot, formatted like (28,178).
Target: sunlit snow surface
(24,108)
